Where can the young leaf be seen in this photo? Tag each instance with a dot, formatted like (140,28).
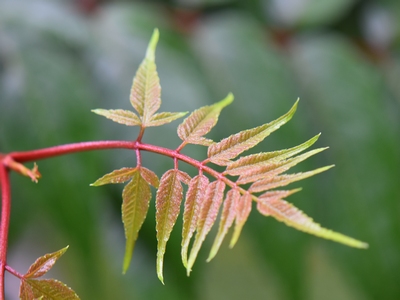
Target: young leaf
(149,176)
(44,263)
(146,89)
(164,118)
(168,201)
(242,213)
(201,121)
(194,196)
(228,215)
(275,195)
(208,214)
(269,170)
(116,176)
(120,116)
(255,161)
(46,289)
(278,181)
(221,153)
(136,198)
(293,217)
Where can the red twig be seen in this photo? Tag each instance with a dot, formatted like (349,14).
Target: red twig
(4,223)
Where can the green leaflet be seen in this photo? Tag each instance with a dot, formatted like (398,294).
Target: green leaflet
(136,198)
(46,289)
(168,201)
(221,153)
(208,214)
(164,118)
(116,176)
(200,122)
(120,116)
(293,217)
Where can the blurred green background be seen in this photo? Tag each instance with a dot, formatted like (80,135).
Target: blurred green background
(59,59)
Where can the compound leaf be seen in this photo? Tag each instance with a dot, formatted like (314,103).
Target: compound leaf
(168,201)
(146,90)
(136,198)
(228,215)
(194,196)
(201,121)
(120,116)
(221,153)
(293,217)
(208,214)
(46,289)
(44,263)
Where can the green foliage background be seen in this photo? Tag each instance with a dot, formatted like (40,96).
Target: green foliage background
(59,59)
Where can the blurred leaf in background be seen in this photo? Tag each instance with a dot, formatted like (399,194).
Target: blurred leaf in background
(60,59)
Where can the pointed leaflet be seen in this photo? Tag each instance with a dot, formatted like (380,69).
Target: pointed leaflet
(275,168)
(293,217)
(254,161)
(46,289)
(168,201)
(136,198)
(242,213)
(228,215)
(44,263)
(201,121)
(116,176)
(221,153)
(164,118)
(120,116)
(194,196)
(278,181)
(208,214)
(146,89)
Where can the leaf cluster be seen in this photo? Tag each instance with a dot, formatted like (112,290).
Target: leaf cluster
(246,179)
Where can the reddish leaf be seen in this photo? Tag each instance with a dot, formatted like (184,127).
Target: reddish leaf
(291,216)
(150,177)
(221,153)
(120,116)
(194,196)
(200,122)
(208,214)
(116,176)
(46,289)
(168,201)
(228,215)
(44,263)
(278,181)
(136,198)
(242,213)
(253,162)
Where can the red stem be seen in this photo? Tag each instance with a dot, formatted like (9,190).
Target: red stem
(4,223)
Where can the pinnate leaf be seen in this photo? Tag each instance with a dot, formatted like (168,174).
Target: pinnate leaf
(136,198)
(242,213)
(116,176)
(146,89)
(228,215)
(164,118)
(208,214)
(44,263)
(46,289)
(120,116)
(221,153)
(194,196)
(293,217)
(168,201)
(201,121)
(253,162)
